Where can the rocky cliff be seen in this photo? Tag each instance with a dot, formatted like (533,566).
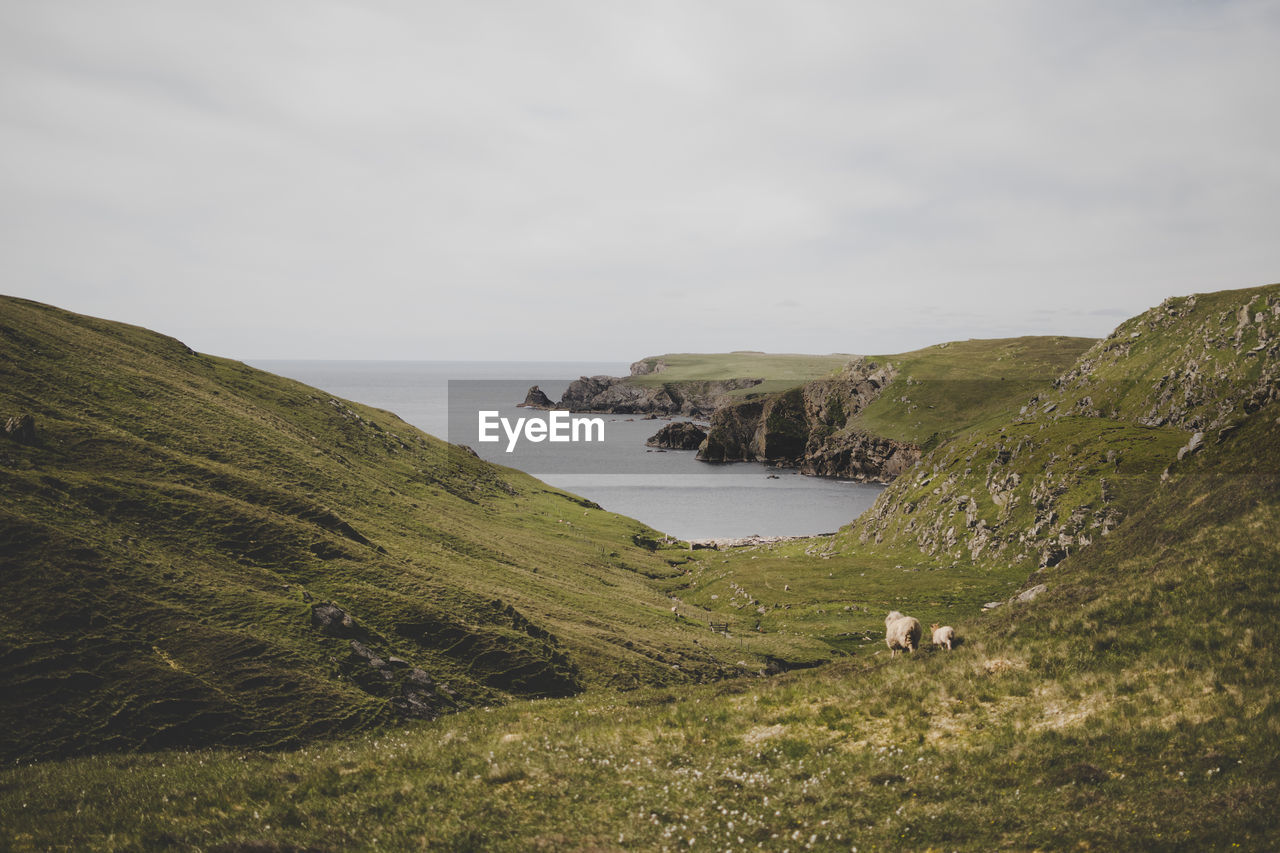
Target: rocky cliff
(808,428)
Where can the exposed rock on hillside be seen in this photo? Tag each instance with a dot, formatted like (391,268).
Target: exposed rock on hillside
(1195,363)
(1024,494)
(331,619)
(683,435)
(21,428)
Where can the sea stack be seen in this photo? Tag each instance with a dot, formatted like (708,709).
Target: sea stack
(535,399)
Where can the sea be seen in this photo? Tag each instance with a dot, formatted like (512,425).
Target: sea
(669,490)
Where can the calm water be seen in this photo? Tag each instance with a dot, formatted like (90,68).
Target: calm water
(669,490)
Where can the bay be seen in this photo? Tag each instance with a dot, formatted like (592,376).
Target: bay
(669,490)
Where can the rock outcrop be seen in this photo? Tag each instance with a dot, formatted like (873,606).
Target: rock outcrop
(682,435)
(332,620)
(411,690)
(21,428)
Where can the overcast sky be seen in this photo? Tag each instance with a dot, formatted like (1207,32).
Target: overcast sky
(606,180)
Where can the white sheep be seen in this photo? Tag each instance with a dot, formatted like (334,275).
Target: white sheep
(943,636)
(901,632)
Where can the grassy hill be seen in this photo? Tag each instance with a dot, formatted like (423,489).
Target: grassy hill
(1130,706)
(1083,452)
(165,537)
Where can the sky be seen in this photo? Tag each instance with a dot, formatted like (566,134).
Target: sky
(603,180)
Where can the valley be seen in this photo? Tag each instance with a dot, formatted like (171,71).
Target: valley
(548,677)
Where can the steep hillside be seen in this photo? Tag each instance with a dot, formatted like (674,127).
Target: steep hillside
(1085,451)
(196,552)
(1129,706)
(1196,363)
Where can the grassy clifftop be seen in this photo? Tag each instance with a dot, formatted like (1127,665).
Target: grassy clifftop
(778,370)
(167,533)
(944,389)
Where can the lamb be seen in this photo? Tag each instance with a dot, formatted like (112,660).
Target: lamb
(943,636)
(901,632)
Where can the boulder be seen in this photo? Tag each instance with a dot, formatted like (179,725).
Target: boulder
(332,620)
(1196,442)
(1030,594)
(419,679)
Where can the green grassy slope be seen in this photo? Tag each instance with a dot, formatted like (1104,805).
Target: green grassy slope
(945,389)
(1130,706)
(1197,363)
(158,541)
(1032,483)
